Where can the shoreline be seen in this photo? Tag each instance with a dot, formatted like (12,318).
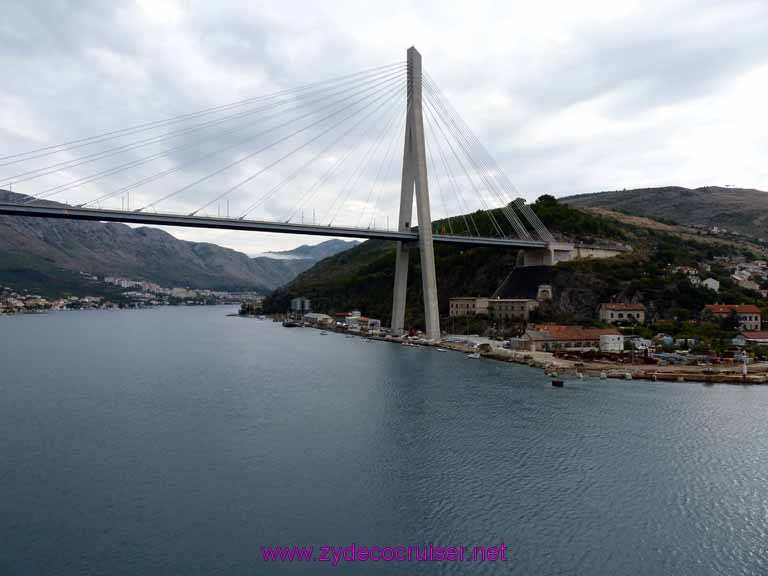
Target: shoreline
(546,361)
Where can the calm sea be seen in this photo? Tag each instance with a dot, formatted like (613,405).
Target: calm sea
(180,441)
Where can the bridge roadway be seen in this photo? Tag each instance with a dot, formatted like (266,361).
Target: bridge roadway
(94,214)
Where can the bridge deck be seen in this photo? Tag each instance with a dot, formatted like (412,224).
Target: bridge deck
(74,213)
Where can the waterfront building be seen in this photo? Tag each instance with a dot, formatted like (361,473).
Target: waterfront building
(467,306)
(612,343)
(317,318)
(364,324)
(748,315)
(551,337)
(511,308)
(346,318)
(615,313)
(757,338)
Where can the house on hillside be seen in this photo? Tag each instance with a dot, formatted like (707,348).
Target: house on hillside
(748,315)
(712,284)
(615,313)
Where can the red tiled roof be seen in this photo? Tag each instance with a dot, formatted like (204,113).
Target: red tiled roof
(755,335)
(728,308)
(617,306)
(561,332)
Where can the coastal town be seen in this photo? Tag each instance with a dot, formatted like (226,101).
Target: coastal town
(722,342)
(126,294)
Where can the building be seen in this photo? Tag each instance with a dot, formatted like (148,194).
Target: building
(757,338)
(638,343)
(467,306)
(686,270)
(301,305)
(551,337)
(346,318)
(317,318)
(748,315)
(544,292)
(501,309)
(712,284)
(611,343)
(364,324)
(615,313)
(748,285)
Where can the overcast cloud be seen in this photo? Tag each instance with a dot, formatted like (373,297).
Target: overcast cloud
(569,97)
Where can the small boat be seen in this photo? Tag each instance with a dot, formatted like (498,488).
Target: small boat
(441,349)
(323,333)
(557,383)
(474,355)
(348,336)
(603,375)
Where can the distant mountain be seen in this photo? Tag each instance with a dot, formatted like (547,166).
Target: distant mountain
(47,255)
(315,252)
(735,209)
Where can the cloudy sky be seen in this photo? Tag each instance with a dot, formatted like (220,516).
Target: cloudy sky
(568,97)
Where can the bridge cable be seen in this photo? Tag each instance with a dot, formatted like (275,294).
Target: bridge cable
(311,192)
(75,162)
(464,208)
(278,141)
(108,172)
(399,137)
(301,168)
(57,148)
(354,178)
(384,161)
(438,184)
(378,111)
(178,167)
(491,165)
(491,217)
(386,95)
(486,176)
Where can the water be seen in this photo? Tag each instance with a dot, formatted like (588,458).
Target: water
(179,441)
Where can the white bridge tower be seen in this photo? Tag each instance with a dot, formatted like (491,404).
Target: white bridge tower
(415,180)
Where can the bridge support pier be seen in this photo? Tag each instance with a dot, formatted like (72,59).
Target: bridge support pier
(415,180)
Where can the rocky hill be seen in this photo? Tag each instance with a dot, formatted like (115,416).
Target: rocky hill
(47,255)
(736,209)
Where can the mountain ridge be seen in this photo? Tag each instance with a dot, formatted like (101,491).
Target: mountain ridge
(43,253)
(742,210)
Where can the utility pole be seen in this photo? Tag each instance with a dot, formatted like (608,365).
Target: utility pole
(414,179)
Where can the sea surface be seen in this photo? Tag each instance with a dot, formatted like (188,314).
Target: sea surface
(180,441)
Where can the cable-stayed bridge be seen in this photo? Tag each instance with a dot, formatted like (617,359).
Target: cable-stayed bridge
(320,159)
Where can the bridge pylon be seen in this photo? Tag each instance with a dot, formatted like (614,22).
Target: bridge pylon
(414,179)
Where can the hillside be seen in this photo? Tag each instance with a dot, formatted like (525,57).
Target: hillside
(362,277)
(46,256)
(735,209)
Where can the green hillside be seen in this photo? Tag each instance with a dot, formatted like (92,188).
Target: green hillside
(362,278)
